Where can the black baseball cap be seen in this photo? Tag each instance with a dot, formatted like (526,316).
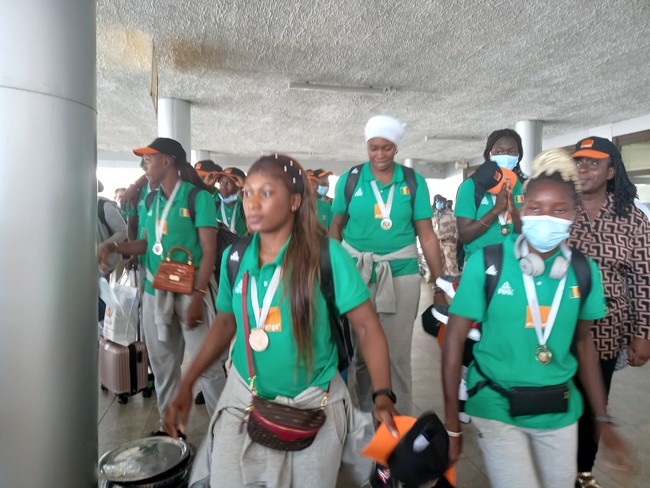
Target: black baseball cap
(207,166)
(320,172)
(164,145)
(488,175)
(421,455)
(596,147)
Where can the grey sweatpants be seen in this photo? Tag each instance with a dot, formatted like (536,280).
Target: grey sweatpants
(398,328)
(166,357)
(534,458)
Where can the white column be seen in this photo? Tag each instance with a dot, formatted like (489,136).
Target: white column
(175,121)
(199,155)
(48,215)
(531,139)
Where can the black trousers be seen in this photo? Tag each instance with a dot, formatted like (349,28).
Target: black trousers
(587,440)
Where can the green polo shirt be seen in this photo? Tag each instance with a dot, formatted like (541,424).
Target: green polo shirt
(181,231)
(275,367)
(506,351)
(363,231)
(466,207)
(240,222)
(324,212)
(140,211)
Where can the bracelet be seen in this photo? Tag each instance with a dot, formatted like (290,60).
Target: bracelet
(605,419)
(483,223)
(202,292)
(451,433)
(384,391)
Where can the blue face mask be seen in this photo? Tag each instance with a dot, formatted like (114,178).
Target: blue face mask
(232,198)
(440,205)
(322,190)
(505,160)
(544,232)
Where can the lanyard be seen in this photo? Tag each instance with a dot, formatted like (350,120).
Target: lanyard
(531,295)
(160,223)
(260,315)
(233,218)
(503,216)
(384,208)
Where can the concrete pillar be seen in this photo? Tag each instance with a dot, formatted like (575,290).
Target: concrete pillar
(199,155)
(531,138)
(175,121)
(48,215)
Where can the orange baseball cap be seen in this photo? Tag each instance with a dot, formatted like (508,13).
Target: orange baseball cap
(596,148)
(163,145)
(235,174)
(382,444)
(506,174)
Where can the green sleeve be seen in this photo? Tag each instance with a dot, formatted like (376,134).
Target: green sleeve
(465,201)
(594,307)
(224,295)
(338,205)
(349,288)
(469,300)
(422,208)
(205,215)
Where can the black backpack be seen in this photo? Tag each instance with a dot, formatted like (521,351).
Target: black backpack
(353,180)
(101,214)
(339,325)
(225,237)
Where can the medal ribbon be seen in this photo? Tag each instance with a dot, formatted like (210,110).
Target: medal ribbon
(260,315)
(233,217)
(384,208)
(531,295)
(160,223)
(503,216)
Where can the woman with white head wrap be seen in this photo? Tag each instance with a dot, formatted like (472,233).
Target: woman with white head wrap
(380,207)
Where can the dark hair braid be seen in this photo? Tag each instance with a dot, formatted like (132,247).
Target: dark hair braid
(622,188)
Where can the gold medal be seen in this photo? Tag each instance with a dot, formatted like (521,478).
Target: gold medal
(543,354)
(386,223)
(157,249)
(258,339)
(505,230)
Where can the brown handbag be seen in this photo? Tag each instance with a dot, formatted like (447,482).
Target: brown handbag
(274,425)
(174,276)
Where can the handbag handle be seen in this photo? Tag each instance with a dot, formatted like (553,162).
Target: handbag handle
(179,248)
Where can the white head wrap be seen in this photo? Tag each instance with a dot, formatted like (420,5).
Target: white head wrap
(386,127)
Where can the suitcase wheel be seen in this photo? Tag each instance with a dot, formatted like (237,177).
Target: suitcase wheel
(103,387)
(122,399)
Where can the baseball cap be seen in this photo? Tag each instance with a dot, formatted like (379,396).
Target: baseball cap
(207,166)
(311,174)
(163,145)
(595,147)
(421,455)
(320,172)
(383,442)
(235,174)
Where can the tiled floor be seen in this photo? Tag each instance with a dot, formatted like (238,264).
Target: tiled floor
(629,403)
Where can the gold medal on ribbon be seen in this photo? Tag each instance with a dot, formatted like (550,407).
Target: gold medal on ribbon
(157,249)
(258,339)
(505,230)
(543,354)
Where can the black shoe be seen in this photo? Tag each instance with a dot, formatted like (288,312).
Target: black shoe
(200,399)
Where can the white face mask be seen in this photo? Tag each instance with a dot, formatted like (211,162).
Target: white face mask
(544,232)
(505,160)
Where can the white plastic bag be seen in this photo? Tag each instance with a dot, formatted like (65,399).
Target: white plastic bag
(121,319)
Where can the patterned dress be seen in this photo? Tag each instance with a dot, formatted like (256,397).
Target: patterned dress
(444,225)
(621,248)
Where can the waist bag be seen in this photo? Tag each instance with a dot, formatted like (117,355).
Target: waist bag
(271,424)
(528,400)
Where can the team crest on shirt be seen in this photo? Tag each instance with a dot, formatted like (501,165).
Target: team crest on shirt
(519,199)
(405,190)
(184,212)
(506,289)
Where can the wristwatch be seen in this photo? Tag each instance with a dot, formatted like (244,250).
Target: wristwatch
(384,391)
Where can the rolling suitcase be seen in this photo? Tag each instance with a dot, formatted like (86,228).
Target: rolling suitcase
(124,370)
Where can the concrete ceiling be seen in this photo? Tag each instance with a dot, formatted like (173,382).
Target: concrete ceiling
(457,70)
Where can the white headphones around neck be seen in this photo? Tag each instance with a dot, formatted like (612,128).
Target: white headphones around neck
(533,265)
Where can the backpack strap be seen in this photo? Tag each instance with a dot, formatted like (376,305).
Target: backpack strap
(237,250)
(101,214)
(340,327)
(492,257)
(350,186)
(583,273)
(353,180)
(486,382)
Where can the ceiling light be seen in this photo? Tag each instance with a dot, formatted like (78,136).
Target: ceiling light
(308,85)
(452,137)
